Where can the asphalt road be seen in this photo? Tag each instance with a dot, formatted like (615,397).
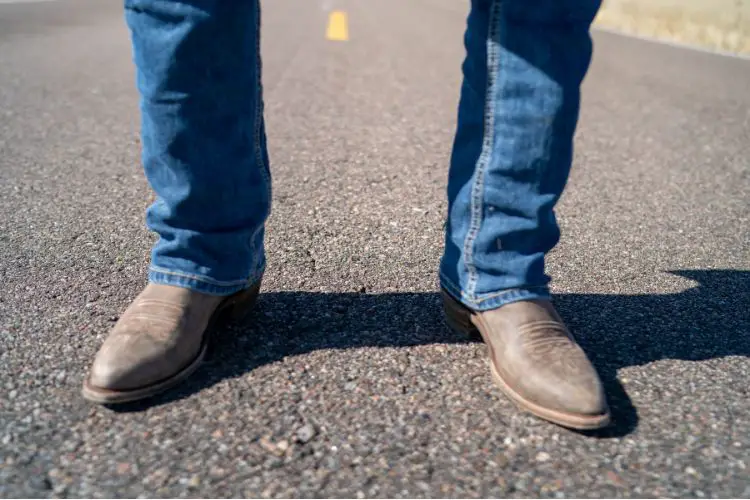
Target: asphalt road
(345,382)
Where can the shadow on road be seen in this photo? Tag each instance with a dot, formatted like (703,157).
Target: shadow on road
(617,331)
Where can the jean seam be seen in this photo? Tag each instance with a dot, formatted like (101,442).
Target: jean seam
(255,252)
(205,279)
(488,141)
(259,101)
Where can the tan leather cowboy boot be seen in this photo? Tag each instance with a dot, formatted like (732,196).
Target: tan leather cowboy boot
(159,341)
(535,361)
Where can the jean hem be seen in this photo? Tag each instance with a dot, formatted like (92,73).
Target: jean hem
(493,300)
(202,284)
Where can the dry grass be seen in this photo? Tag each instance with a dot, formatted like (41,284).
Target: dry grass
(726,29)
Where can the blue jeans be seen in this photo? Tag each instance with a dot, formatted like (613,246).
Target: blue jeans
(203,138)
(204,146)
(525,61)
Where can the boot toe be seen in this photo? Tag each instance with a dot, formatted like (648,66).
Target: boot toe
(118,372)
(583,398)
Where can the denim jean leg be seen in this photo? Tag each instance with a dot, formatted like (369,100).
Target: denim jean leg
(204,148)
(513,147)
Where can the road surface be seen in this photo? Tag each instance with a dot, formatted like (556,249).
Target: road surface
(345,382)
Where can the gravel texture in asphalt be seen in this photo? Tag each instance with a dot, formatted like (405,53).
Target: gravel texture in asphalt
(345,381)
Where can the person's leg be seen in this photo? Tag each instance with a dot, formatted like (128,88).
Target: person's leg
(511,158)
(513,146)
(204,154)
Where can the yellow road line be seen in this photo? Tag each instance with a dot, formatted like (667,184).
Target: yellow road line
(338,27)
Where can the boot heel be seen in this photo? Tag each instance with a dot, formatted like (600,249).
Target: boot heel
(458,317)
(238,306)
